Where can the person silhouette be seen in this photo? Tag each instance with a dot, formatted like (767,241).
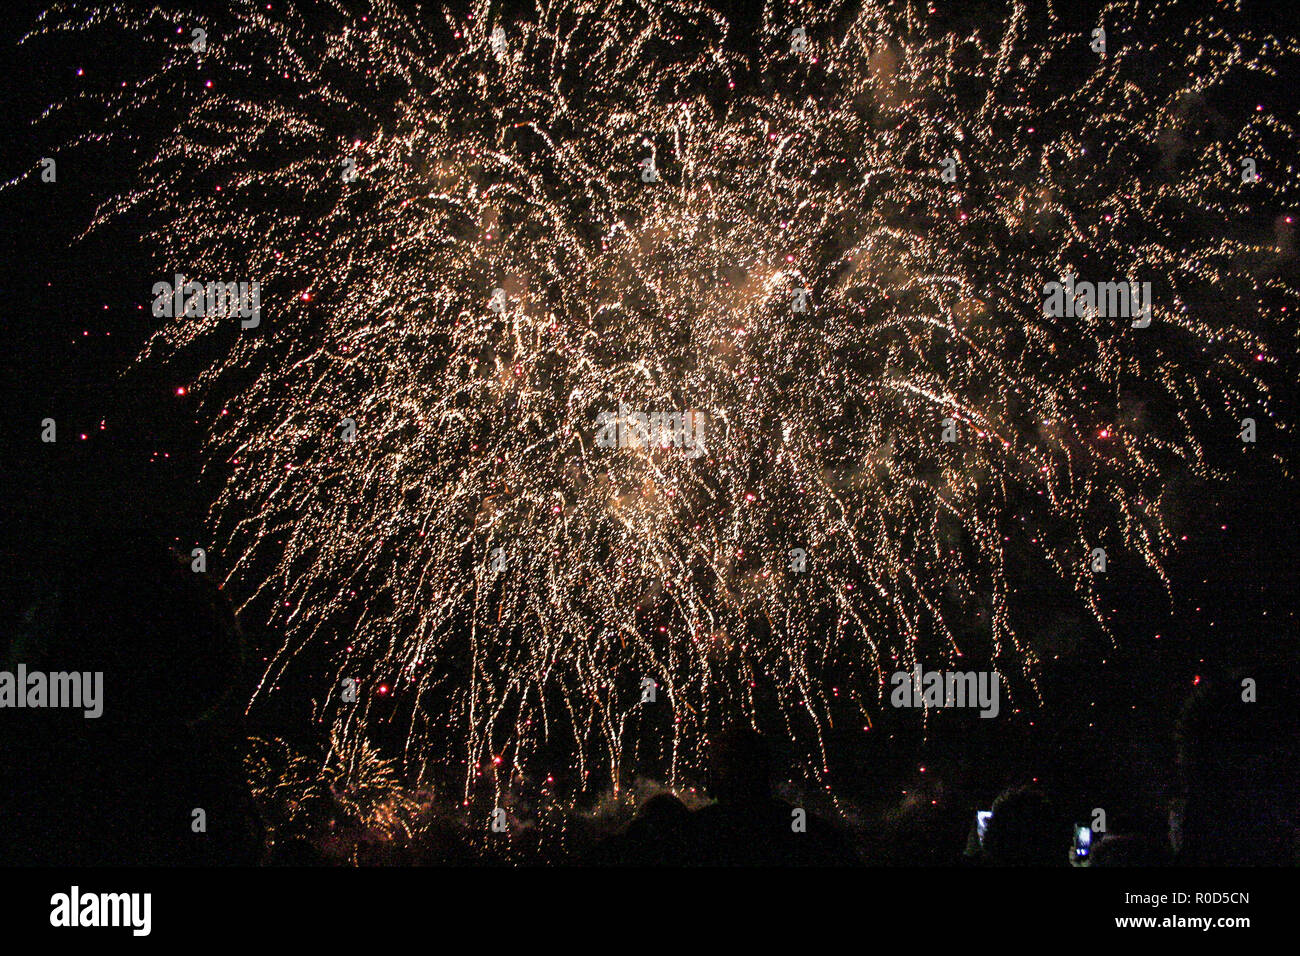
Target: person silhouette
(157,778)
(1026,830)
(747,825)
(1238,773)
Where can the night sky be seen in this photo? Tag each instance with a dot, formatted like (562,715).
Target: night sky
(130,455)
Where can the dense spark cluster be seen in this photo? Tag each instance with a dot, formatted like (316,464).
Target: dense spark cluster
(518,163)
(355,785)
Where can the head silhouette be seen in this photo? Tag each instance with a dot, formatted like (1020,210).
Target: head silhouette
(163,634)
(1238,774)
(739,765)
(1025,830)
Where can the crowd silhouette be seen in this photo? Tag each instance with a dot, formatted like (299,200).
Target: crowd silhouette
(123,788)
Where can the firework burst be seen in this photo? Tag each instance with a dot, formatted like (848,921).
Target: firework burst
(504,586)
